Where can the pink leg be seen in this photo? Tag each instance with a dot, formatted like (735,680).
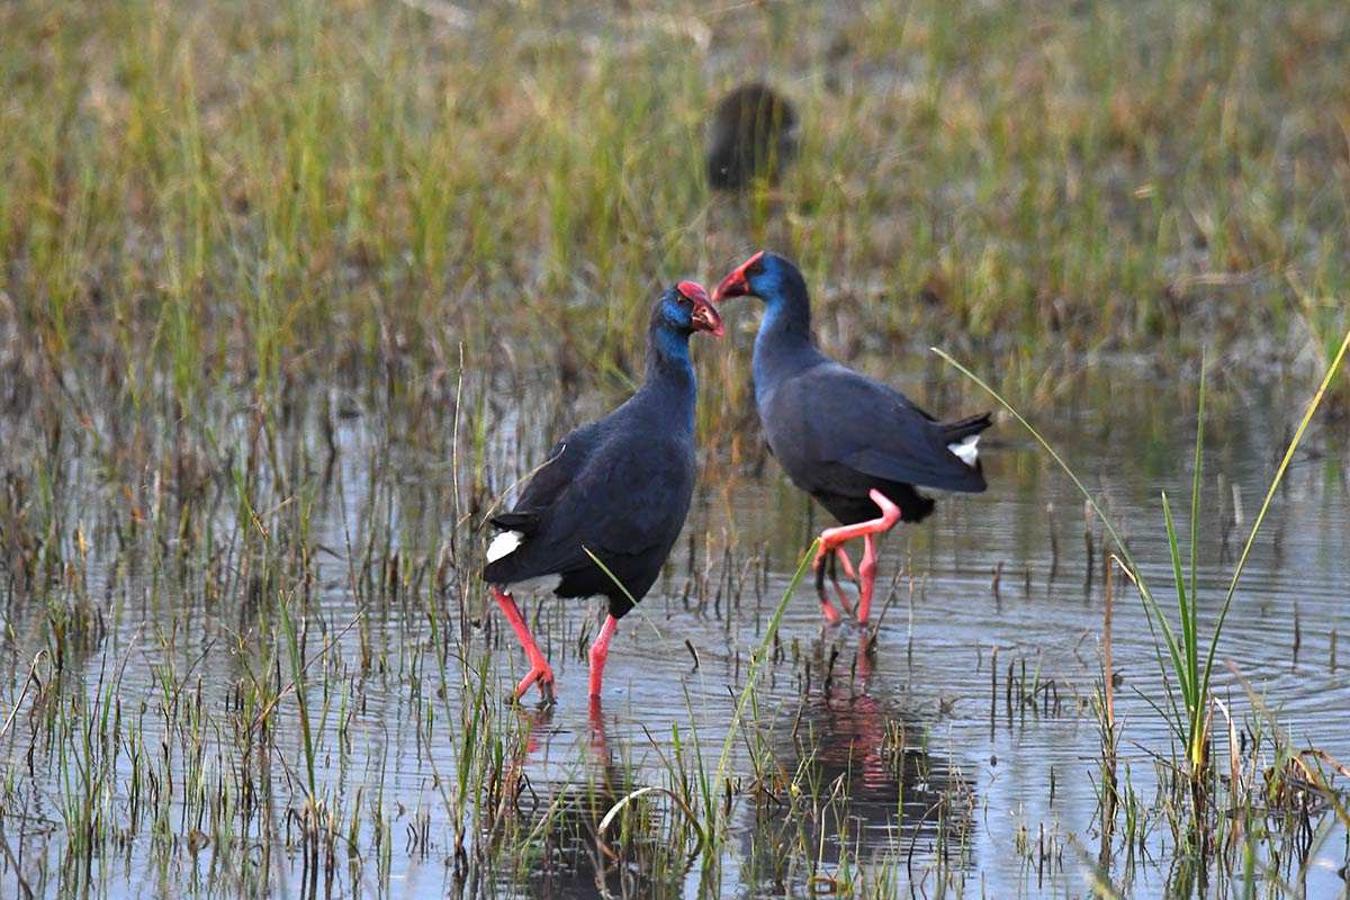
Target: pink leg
(540,670)
(867,571)
(600,653)
(847,563)
(825,563)
(831,539)
(841,558)
(864,665)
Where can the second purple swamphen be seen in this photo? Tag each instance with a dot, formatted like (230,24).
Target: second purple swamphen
(616,490)
(855,445)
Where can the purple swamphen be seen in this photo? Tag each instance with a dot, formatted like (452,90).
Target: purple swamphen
(616,490)
(855,445)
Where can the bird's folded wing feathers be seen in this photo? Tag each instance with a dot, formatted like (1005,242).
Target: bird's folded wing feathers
(550,479)
(850,419)
(621,503)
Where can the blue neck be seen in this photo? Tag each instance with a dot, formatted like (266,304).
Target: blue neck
(668,347)
(783,345)
(670,377)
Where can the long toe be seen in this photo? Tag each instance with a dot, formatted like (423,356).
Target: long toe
(826,608)
(546,695)
(524,685)
(545,675)
(845,601)
(542,674)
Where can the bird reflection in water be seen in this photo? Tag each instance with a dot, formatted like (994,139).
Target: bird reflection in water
(641,851)
(854,785)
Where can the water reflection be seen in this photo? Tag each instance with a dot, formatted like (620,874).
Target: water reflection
(643,849)
(855,784)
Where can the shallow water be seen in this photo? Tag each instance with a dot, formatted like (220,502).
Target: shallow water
(941,775)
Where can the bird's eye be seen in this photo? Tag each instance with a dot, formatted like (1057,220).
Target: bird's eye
(756,267)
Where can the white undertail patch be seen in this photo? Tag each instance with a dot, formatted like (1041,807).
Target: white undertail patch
(965,451)
(503,544)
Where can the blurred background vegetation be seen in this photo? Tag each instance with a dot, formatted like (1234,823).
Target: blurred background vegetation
(268,195)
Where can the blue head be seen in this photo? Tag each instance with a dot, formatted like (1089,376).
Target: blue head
(681,311)
(765,275)
(780,284)
(684,309)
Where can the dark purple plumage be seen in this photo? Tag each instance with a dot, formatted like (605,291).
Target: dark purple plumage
(839,434)
(619,487)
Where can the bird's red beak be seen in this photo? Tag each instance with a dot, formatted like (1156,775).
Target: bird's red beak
(737,284)
(705,315)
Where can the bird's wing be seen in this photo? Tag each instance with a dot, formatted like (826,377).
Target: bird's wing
(550,480)
(831,414)
(630,497)
(645,497)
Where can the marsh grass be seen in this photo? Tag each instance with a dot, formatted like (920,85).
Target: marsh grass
(265,193)
(1187,665)
(279,287)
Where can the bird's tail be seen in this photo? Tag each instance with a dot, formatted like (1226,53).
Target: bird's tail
(962,439)
(957,431)
(513,530)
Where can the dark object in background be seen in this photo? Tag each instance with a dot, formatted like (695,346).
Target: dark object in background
(754,133)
